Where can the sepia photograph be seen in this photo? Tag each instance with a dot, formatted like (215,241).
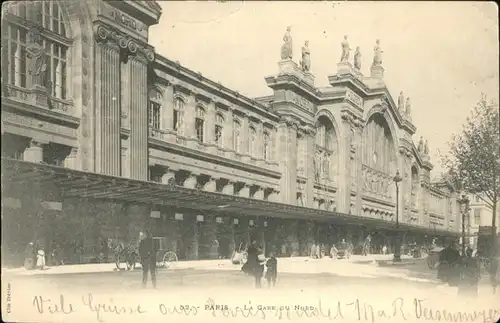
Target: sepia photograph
(260,161)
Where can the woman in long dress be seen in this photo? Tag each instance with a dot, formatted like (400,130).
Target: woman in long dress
(40,259)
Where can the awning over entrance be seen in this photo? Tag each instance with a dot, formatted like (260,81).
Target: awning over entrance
(73,183)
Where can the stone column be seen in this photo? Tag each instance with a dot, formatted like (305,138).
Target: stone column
(211,185)
(34,153)
(107,104)
(126,85)
(193,241)
(139,118)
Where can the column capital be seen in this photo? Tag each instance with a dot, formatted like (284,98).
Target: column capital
(104,33)
(37,143)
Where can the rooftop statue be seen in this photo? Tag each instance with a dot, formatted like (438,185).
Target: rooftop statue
(421,144)
(287,47)
(306,57)
(426,148)
(401,102)
(345,50)
(377,57)
(357,59)
(408,108)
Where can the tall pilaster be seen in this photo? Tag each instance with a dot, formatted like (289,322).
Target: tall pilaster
(107,104)
(139,118)
(228,134)
(287,147)
(209,127)
(308,167)
(189,121)
(343,193)
(167,113)
(245,130)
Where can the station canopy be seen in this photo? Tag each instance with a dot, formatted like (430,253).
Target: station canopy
(79,184)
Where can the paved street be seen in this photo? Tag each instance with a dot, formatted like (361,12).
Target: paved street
(301,281)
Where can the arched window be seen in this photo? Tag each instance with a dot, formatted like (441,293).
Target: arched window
(252,141)
(36,56)
(154,115)
(199,123)
(267,146)
(236,135)
(178,115)
(219,126)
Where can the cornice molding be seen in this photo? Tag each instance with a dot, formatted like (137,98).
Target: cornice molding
(105,33)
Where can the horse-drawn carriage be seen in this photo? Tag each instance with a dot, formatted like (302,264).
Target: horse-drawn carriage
(129,254)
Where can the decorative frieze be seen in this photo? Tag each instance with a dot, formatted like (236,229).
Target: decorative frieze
(107,34)
(353,98)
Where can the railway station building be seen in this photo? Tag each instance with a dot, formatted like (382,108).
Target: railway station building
(103,138)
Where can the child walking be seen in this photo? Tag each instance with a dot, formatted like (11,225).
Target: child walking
(272,270)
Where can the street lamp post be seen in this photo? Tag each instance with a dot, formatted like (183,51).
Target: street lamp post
(397,247)
(464,208)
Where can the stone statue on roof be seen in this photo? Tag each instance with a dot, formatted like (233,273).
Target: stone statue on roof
(426,148)
(408,108)
(344,58)
(357,59)
(421,144)
(401,102)
(287,47)
(377,57)
(305,63)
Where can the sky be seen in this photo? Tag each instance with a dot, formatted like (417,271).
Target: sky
(442,55)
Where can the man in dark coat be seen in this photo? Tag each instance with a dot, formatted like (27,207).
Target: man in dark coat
(147,251)
(470,274)
(449,260)
(253,265)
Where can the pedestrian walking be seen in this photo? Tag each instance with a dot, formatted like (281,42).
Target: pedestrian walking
(40,259)
(493,271)
(147,252)
(272,270)
(384,250)
(313,251)
(29,257)
(449,265)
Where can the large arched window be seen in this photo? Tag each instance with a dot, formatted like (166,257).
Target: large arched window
(325,149)
(236,136)
(199,123)
(36,55)
(267,146)
(252,142)
(178,116)
(219,127)
(154,113)
(378,145)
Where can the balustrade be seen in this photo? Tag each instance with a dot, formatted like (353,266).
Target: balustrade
(39,100)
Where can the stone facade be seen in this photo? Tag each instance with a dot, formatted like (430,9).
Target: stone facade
(123,110)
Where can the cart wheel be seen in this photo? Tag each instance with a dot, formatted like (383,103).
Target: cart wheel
(169,259)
